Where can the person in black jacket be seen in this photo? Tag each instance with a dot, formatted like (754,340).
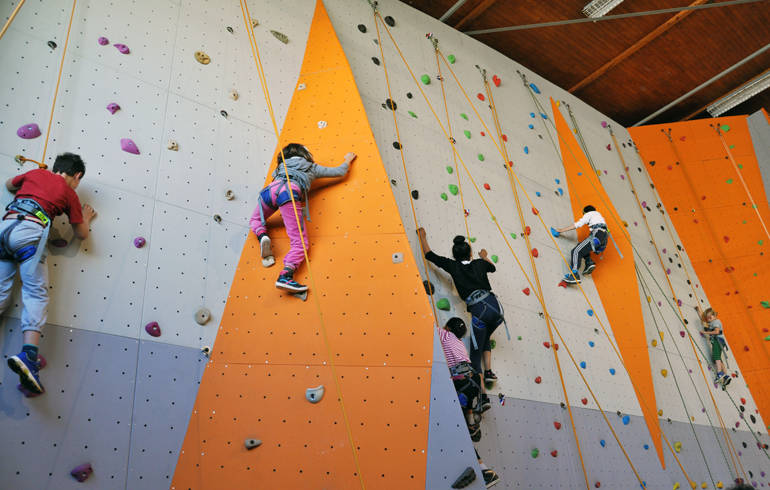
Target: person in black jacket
(470,279)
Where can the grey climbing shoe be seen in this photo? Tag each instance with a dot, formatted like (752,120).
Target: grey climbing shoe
(468,476)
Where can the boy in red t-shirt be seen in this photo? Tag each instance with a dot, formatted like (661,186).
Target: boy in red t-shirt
(40,197)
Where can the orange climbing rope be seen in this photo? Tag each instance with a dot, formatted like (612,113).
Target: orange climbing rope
(58,79)
(728,440)
(263,82)
(10,19)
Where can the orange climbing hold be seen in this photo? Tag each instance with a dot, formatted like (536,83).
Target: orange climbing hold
(535,211)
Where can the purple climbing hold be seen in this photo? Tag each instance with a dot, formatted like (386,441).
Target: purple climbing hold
(122,48)
(103,41)
(59,242)
(679,302)
(139,242)
(82,472)
(604,124)
(153,329)
(128,146)
(28,131)
(644,204)
(113,107)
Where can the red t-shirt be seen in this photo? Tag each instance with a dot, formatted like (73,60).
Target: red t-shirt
(51,192)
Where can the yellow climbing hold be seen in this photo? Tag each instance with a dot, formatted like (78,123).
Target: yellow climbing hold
(664,372)
(649,299)
(677,446)
(202,58)
(661,335)
(676,485)
(720,484)
(654,342)
(704,485)
(660,413)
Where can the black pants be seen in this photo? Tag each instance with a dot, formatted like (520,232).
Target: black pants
(487,315)
(469,389)
(582,251)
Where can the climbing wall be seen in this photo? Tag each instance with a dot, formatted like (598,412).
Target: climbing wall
(122,400)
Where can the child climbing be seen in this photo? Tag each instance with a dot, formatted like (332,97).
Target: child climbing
(594,242)
(467,384)
(302,170)
(40,197)
(712,327)
(470,279)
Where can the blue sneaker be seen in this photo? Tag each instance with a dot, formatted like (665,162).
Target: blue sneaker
(572,280)
(28,372)
(289,284)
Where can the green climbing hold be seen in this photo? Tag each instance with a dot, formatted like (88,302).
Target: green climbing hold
(494,258)
(513,235)
(729,181)
(472,239)
(425,79)
(451,58)
(767,338)
(453,189)
(412,114)
(464,116)
(535,453)
(443,304)
(519,337)
(765,304)
(492,343)
(761,242)
(467,134)
(481,157)
(740,165)
(444,196)
(732,146)
(449,169)
(725,128)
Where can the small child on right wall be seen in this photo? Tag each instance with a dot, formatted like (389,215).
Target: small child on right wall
(713,328)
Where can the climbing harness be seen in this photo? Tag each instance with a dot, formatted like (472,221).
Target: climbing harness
(464,372)
(476,297)
(282,197)
(25,209)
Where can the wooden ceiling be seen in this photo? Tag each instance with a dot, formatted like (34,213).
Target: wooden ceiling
(628,68)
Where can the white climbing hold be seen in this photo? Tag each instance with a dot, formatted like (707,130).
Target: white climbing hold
(234,94)
(202,316)
(398,257)
(229,195)
(206,350)
(252,443)
(314,395)
(301,86)
(322,124)
(173,145)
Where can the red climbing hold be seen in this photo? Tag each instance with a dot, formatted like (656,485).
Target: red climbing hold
(609,147)
(527,230)
(555,346)
(682,138)
(535,252)
(486,186)
(584,400)
(535,211)
(726,238)
(557,425)
(746,348)
(504,137)
(483,134)
(554,453)
(743,401)
(525,291)
(598,484)
(563,284)
(481,97)
(538,380)
(153,329)
(496,80)
(510,163)
(547,345)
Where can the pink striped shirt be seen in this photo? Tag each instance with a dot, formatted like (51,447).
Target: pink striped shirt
(454,349)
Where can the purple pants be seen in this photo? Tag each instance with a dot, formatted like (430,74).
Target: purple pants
(296,256)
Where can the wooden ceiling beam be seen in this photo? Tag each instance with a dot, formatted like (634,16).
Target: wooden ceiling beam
(475,12)
(657,32)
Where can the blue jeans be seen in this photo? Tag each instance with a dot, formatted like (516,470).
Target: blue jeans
(34,276)
(486,316)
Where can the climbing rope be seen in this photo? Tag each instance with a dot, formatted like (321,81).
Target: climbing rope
(263,82)
(58,79)
(10,19)
(740,176)
(377,17)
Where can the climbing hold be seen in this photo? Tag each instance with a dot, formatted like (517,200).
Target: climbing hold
(513,235)
(113,107)
(626,419)
(583,364)
(590,312)
(254,22)
(609,147)
(396,145)
(724,128)
(496,80)
(720,484)
(429,288)
(557,425)
(234,94)
(554,232)
(560,191)
(173,145)
(28,131)
(464,116)
(224,114)
(537,193)
(52,44)
(598,484)
(301,86)
(390,104)
(664,372)
(531,126)
(449,169)
(443,304)
(526,292)
(472,239)
(467,134)
(128,145)
(425,79)
(466,478)
(280,36)
(591,343)
(612,371)
(103,41)
(451,59)
(654,342)
(397,258)
(526,150)
(584,401)
(535,211)
(547,345)
(82,472)
(314,395)
(217,218)
(122,48)
(765,304)
(412,114)
(554,453)
(202,316)
(527,230)
(453,189)
(229,195)
(206,350)
(415,194)
(139,242)
(252,443)
(676,486)
(153,329)
(535,253)
(544,116)
(480,97)
(729,181)
(603,443)
(444,196)
(677,446)
(534,453)
(58,242)
(486,186)
(492,343)
(538,380)
(390,21)
(230,29)
(494,258)
(361,27)
(480,157)
(322,124)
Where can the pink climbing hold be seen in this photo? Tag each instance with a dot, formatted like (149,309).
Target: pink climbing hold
(604,124)
(609,147)
(82,472)
(113,107)
(644,204)
(496,80)
(139,242)
(128,146)
(103,41)
(681,333)
(153,329)
(122,48)
(28,131)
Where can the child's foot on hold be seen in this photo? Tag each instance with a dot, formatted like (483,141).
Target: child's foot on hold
(488,374)
(475,432)
(569,279)
(27,370)
(485,403)
(286,281)
(726,380)
(589,268)
(490,478)
(265,247)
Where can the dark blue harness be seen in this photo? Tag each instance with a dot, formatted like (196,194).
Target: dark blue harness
(23,208)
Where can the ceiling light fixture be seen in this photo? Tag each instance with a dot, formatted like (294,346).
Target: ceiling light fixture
(740,95)
(598,8)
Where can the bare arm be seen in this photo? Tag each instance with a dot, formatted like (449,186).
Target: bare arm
(82,229)
(9,185)
(566,228)
(423,240)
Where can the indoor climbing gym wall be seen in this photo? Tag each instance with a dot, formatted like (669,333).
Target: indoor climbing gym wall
(173,362)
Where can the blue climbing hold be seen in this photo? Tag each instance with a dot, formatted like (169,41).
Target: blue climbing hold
(537,193)
(554,232)
(531,114)
(591,343)
(544,116)
(646,447)
(526,149)
(580,173)
(531,126)
(626,419)
(590,312)
(557,181)
(534,88)
(603,443)
(612,371)
(560,191)
(583,364)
